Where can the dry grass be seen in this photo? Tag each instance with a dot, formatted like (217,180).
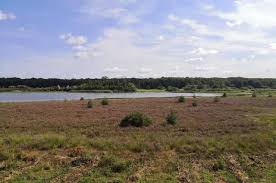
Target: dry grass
(232,140)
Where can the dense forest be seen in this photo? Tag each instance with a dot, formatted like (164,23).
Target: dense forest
(130,84)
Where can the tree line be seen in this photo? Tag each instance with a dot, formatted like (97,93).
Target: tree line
(129,84)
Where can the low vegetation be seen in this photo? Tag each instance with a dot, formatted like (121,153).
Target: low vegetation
(231,141)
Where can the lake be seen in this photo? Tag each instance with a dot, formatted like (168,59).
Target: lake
(48,96)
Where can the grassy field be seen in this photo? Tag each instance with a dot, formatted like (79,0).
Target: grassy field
(231,140)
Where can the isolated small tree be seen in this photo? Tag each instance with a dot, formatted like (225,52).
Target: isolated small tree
(89,104)
(224,95)
(81,98)
(254,94)
(171,118)
(181,99)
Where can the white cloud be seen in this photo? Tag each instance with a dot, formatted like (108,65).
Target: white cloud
(202,51)
(193,24)
(114,70)
(207,6)
(273,46)
(233,23)
(195,60)
(228,72)
(145,70)
(255,13)
(6,16)
(188,44)
(74,40)
(204,68)
(114,9)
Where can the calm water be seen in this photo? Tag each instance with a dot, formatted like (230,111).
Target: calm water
(46,96)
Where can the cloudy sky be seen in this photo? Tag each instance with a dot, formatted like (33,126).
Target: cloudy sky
(137,38)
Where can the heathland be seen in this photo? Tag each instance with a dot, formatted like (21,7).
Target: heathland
(230,139)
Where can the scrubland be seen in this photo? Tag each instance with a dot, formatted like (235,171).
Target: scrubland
(230,140)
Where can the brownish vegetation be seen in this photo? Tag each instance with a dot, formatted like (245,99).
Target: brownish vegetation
(229,141)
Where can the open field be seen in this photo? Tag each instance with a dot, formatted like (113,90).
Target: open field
(233,140)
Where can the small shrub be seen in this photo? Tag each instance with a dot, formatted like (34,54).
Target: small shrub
(224,95)
(105,102)
(194,104)
(216,99)
(135,119)
(254,94)
(89,104)
(81,98)
(270,95)
(194,96)
(172,118)
(181,99)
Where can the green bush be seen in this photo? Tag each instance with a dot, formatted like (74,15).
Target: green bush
(254,94)
(224,95)
(105,102)
(216,99)
(89,104)
(194,104)
(172,118)
(81,98)
(270,95)
(135,119)
(181,99)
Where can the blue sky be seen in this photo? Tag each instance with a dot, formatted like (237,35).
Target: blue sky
(137,38)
